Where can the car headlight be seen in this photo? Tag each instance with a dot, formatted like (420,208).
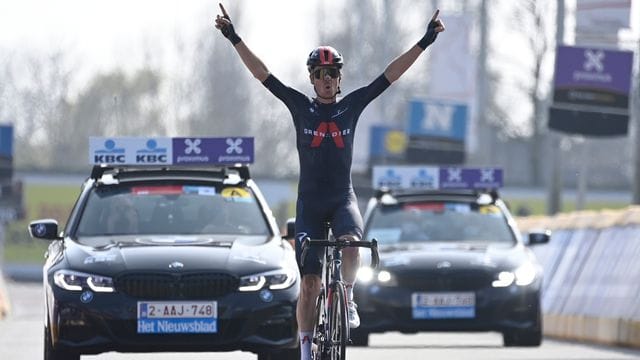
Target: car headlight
(505,278)
(525,274)
(384,276)
(367,275)
(522,276)
(274,280)
(77,281)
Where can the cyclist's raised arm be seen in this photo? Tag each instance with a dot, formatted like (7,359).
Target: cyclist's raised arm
(403,62)
(257,68)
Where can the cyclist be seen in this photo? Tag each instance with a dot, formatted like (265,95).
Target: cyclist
(325,127)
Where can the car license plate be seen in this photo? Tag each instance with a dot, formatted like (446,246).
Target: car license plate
(177,317)
(443,305)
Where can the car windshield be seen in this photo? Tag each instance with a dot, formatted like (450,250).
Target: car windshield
(439,222)
(171,208)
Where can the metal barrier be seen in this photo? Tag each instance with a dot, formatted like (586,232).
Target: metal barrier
(591,269)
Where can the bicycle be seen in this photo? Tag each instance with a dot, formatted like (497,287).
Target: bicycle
(331,329)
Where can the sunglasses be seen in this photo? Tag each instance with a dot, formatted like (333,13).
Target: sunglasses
(322,72)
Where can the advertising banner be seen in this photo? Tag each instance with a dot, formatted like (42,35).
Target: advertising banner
(170,151)
(437,131)
(229,150)
(6,153)
(387,144)
(427,177)
(437,118)
(595,77)
(591,91)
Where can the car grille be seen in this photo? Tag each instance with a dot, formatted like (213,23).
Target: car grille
(176,286)
(449,281)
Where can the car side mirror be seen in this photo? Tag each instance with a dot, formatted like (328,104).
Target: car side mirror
(542,237)
(290,230)
(44,229)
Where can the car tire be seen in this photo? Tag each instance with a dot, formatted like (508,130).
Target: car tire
(359,337)
(527,338)
(50,353)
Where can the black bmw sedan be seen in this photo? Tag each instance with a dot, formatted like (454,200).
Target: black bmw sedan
(168,259)
(450,260)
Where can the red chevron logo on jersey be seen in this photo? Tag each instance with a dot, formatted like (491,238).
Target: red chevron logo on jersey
(330,129)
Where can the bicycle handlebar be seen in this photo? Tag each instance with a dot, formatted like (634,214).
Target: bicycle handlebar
(341,244)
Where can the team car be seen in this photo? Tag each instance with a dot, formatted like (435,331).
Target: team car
(451,258)
(166,257)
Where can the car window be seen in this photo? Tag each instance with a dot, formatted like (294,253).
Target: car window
(168,209)
(439,222)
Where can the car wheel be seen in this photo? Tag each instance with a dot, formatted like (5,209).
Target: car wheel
(528,337)
(50,353)
(359,337)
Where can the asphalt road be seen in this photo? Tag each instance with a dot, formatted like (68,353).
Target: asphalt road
(21,338)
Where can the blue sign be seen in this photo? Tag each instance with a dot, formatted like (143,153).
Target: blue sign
(437,119)
(6,141)
(387,142)
(437,312)
(177,326)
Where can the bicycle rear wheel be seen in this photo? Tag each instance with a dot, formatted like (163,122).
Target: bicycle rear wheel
(338,323)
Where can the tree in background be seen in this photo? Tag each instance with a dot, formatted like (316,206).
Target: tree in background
(35,105)
(6,81)
(52,128)
(113,104)
(523,82)
(227,101)
(370,35)
(220,86)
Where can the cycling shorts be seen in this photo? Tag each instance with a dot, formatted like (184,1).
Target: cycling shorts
(312,212)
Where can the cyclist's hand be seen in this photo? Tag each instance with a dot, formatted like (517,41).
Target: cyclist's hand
(223,23)
(349,237)
(435,26)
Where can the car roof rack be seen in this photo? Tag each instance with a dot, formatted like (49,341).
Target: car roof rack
(98,170)
(119,170)
(408,193)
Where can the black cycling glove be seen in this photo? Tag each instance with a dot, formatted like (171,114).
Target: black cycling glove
(230,33)
(430,36)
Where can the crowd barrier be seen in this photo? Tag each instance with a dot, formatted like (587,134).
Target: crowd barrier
(591,289)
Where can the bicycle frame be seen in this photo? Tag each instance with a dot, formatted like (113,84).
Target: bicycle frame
(332,284)
(331,331)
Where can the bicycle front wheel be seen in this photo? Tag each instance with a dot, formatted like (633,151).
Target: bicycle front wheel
(318,348)
(338,323)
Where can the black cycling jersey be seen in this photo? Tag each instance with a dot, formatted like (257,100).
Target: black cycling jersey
(324,134)
(324,138)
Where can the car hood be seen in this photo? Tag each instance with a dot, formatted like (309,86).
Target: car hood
(453,256)
(240,255)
